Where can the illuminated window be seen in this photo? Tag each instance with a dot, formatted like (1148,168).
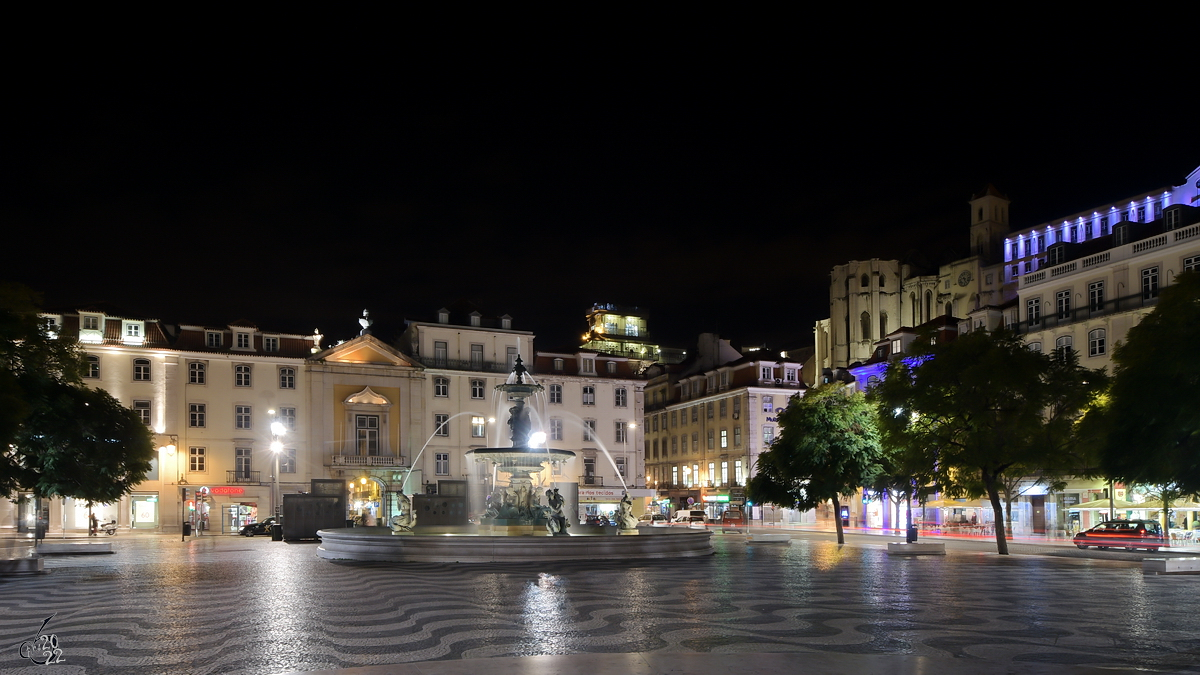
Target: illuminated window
(287,461)
(724,438)
(241,376)
(367,428)
(768,403)
(288,417)
(768,435)
(287,378)
(141,370)
(197,373)
(477,426)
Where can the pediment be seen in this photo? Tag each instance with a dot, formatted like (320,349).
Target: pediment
(365,349)
(366,397)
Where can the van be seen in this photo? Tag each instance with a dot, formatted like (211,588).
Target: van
(689,516)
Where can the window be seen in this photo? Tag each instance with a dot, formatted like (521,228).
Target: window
(1103,226)
(724,405)
(1150,283)
(725,467)
(712,383)
(476,388)
(1063,345)
(287,378)
(674,475)
(654,423)
(1033,311)
(141,370)
(620,397)
(439,353)
(1191,264)
(620,461)
(558,365)
(241,376)
(611,366)
(556,393)
(212,340)
(477,426)
(710,410)
(711,437)
(768,403)
(695,442)
(712,473)
(441,387)
(724,438)
(1096,295)
(766,373)
(724,379)
(864,320)
(737,437)
(243,458)
(1062,304)
(196,460)
(1173,218)
(1096,342)
(287,461)
(271,344)
(1141,214)
(589,395)
(91,322)
(511,353)
(196,415)
(1035,347)
(197,373)
(674,419)
(631,328)
(789,374)
(768,435)
(288,417)
(476,357)
(93,367)
(442,464)
(589,430)
(241,417)
(142,408)
(695,413)
(737,472)
(243,341)
(556,429)
(441,425)
(589,365)
(133,331)
(619,428)
(655,446)
(367,427)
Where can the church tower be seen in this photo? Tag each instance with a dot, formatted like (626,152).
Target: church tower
(989,225)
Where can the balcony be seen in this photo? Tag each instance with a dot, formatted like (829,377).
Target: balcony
(465,364)
(367,460)
(592,481)
(1052,320)
(779,384)
(242,477)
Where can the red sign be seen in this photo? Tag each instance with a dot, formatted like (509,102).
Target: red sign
(228,490)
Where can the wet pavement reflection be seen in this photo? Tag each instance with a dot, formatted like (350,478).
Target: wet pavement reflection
(216,605)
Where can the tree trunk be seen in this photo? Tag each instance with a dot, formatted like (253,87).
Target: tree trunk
(837,518)
(994,497)
(1167,500)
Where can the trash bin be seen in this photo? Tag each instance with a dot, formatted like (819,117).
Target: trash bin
(277,532)
(911,535)
(187,529)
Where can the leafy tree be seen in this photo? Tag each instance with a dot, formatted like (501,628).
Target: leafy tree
(828,447)
(59,437)
(972,410)
(1150,430)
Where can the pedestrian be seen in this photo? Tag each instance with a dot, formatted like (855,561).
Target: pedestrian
(94,523)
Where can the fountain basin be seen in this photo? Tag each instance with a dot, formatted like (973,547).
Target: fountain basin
(377,544)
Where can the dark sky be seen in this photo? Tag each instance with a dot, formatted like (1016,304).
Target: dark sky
(716,194)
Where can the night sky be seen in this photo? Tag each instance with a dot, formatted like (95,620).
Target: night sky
(716,194)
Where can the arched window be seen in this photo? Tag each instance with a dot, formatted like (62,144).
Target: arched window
(926,314)
(866,282)
(1096,342)
(882,277)
(1063,345)
(141,370)
(915,308)
(883,327)
(865,319)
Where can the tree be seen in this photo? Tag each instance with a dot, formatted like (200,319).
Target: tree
(60,438)
(828,446)
(971,410)
(1150,430)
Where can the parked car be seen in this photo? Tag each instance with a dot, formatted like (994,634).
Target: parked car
(690,516)
(652,520)
(259,528)
(1127,534)
(733,518)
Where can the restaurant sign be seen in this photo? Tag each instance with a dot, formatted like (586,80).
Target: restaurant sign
(613,494)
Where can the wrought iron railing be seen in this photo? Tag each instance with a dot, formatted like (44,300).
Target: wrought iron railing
(367,460)
(242,477)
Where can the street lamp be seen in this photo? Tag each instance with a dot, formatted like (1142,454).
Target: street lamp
(278,429)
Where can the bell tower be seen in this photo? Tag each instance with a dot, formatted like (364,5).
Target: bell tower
(989,225)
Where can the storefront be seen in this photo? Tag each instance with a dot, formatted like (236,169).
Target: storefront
(366,501)
(144,510)
(605,501)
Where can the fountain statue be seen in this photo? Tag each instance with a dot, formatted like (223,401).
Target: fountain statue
(625,518)
(556,522)
(407,520)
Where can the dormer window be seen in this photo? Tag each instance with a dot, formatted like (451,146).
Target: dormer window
(1174,218)
(558,364)
(242,340)
(1121,234)
(132,332)
(475,318)
(212,339)
(270,344)
(1056,255)
(90,322)
(612,367)
(443,316)
(51,323)
(90,328)
(589,365)
(506,322)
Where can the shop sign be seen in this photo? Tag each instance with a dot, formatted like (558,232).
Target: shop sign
(227,490)
(716,498)
(612,493)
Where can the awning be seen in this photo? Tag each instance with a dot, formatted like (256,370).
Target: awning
(955,504)
(1102,505)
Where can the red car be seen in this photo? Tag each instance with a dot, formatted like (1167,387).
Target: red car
(1127,534)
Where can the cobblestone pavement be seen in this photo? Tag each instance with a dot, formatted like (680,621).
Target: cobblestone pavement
(229,604)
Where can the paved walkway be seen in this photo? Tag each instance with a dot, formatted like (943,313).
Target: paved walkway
(236,605)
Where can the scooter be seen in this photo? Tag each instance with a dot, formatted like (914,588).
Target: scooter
(109,528)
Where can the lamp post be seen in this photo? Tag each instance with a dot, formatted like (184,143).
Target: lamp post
(278,429)
(629,429)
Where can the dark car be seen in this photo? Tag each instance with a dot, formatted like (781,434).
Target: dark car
(1127,534)
(259,528)
(733,518)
